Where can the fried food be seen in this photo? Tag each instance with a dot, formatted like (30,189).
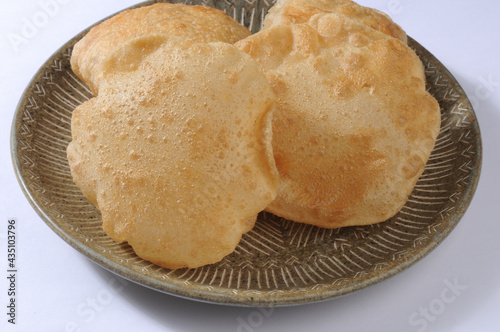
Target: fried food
(354,125)
(300,11)
(196,23)
(177,153)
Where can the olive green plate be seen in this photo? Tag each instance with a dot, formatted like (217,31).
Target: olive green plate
(279,262)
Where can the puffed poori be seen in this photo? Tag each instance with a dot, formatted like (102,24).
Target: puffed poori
(177,153)
(322,117)
(300,11)
(196,23)
(354,125)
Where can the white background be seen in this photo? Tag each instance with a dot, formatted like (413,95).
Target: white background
(59,289)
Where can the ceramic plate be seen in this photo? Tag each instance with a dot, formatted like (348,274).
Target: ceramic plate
(279,262)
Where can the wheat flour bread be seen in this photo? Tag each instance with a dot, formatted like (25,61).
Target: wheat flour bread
(177,154)
(196,23)
(354,125)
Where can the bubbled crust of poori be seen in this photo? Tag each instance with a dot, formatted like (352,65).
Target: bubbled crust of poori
(177,154)
(354,125)
(300,11)
(197,23)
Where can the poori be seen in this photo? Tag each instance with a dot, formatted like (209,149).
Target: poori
(300,11)
(322,118)
(196,23)
(354,125)
(177,154)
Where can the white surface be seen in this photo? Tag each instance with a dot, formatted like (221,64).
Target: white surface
(59,289)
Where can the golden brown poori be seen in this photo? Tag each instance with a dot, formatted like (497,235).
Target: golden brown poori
(322,117)
(300,11)
(354,125)
(177,154)
(196,23)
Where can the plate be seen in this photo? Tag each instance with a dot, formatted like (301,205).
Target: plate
(279,262)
